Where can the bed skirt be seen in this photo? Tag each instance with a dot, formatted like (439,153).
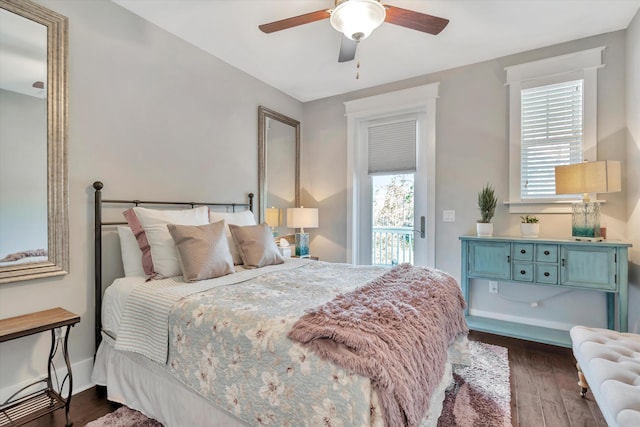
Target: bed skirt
(143,385)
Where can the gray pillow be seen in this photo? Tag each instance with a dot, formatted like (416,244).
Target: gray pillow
(203,250)
(256,246)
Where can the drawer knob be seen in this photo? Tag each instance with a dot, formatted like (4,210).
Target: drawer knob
(546,252)
(546,274)
(523,272)
(522,251)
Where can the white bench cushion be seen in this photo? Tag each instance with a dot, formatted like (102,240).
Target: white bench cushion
(610,362)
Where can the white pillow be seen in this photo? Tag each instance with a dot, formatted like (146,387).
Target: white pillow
(164,255)
(131,253)
(236,218)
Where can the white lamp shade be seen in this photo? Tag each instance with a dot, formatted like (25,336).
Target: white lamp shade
(272,217)
(302,217)
(589,177)
(356,19)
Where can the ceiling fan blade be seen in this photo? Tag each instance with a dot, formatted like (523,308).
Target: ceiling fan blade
(294,21)
(415,20)
(347,49)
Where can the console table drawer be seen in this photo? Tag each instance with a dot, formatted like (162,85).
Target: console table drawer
(547,253)
(523,251)
(522,272)
(547,273)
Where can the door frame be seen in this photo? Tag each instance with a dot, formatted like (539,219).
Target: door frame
(421,101)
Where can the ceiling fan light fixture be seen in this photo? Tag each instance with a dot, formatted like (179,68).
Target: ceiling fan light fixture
(356,19)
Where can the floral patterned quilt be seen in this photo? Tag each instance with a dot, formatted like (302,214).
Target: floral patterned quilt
(230,345)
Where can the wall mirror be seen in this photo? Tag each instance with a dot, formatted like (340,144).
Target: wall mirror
(33,127)
(278,168)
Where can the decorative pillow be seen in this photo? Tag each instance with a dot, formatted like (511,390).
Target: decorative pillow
(256,246)
(159,254)
(203,250)
(235,218)
(131,254)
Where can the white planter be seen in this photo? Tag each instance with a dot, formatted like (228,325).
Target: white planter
(529,230)
(484,229)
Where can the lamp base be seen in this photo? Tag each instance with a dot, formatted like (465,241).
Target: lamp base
(302,245)
(588,239)
(585,222)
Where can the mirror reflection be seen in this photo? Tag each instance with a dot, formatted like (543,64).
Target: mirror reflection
(23,140)
(279,170)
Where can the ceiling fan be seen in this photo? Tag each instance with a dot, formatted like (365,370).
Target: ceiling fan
(356,19)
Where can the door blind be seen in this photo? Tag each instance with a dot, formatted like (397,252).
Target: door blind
(552,135)
(392,147)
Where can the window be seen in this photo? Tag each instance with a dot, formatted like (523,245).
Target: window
(553,118)
(551,135)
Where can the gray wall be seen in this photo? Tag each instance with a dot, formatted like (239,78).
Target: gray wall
(471,149)
(633,169)
(152,117)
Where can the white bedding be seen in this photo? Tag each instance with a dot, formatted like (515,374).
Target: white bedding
(114,300)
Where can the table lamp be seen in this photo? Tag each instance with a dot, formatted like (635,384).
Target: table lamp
(272,218)
(302,218)
(584,178)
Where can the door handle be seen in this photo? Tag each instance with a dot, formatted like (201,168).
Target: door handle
(422,231)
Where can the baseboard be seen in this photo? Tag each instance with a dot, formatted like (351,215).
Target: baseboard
(524,320)
(81,380)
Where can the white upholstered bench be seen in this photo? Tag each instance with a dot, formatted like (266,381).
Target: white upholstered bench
(609,364)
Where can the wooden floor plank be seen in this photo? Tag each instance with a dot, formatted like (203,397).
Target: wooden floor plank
(579,413)
(554,413)
(530,410)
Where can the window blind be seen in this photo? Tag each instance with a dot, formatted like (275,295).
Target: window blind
(392,147)
(552,135)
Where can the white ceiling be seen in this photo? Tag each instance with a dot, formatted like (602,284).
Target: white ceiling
(302,61)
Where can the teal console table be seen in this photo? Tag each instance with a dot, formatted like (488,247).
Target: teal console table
(601,266)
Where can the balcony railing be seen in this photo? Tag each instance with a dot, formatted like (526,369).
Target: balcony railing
(392,245)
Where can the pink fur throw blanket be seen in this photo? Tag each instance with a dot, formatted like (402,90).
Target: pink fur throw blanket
(395,330)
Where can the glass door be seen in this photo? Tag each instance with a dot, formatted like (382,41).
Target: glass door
(391,227)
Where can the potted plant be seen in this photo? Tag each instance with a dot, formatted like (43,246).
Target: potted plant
(529,226)
(487,201)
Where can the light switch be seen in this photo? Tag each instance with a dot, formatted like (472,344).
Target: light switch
(448,216)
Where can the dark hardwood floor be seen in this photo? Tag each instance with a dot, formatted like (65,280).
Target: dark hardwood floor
(544,390)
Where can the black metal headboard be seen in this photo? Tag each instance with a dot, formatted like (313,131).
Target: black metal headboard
(98,224)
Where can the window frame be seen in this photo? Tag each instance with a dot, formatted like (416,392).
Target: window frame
(578,65)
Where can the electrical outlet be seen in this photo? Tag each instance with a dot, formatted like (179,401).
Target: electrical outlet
(448,216)
(493,287)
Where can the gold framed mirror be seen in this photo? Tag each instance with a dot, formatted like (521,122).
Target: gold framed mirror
(278,168)
(33,185)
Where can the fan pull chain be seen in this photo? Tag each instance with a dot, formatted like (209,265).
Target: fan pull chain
(357,63)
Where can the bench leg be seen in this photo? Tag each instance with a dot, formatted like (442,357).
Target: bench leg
(582,382)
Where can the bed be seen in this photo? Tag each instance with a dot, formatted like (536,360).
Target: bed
(251,347)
